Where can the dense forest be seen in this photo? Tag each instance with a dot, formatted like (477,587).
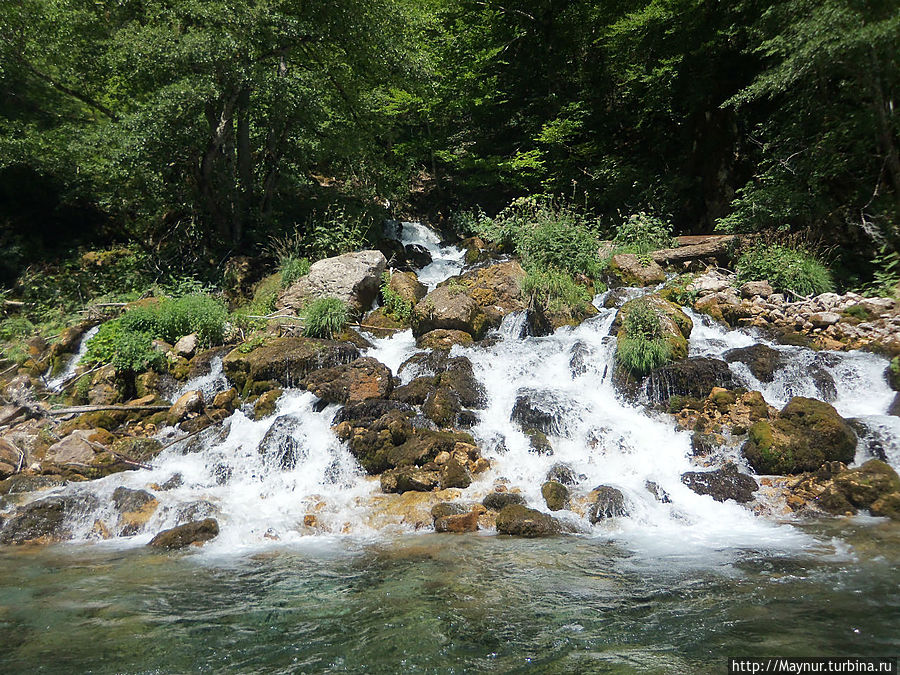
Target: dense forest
(195,128)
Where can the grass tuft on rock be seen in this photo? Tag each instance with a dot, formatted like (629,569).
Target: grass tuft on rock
(324,317)
(642,345)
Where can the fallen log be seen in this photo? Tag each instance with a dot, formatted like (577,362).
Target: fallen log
(96,408)
(706,246)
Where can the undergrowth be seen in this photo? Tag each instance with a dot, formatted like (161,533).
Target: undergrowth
(787,268)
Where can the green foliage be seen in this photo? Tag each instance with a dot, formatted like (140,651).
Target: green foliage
(788,269)
(555,289)
(394,304)
(324,317)
(676,291)
(122,347)
(642,347)
(642,233)
(886,267)
(291,269)
(251,344)
(15,327)
(173,318)
(857,312)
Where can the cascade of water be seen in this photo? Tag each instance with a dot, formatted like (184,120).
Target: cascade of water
(209,385)
(287,476)
(66,374)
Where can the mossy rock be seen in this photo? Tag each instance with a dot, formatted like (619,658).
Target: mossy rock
(887,506)
(100,419)
(265,405)
(285,360)
(140,449)
(866,484)
(675,324)
(556,495)
(892,373)
(381,323)
(520,521)
(806,434)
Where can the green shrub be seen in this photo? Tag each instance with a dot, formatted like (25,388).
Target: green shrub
(334,231)
(171,319)
(324,317)
(291,269)
(394,304)
(554,289)
(788,269)
(15,327)
(125,349)
(560,244)
(886,278)
(642,233)
(642,346)
(676,291)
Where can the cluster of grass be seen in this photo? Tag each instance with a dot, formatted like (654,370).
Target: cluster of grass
(395,305)
(676,291)
(554,289)
(788,269)
(127,342)
(642,347)
(642,233)
(292,268)
(325,317)
(337,229)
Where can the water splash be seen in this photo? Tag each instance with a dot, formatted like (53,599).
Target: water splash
(56,383)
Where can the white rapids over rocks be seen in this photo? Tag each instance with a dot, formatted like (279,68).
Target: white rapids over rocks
(599,436)
(55,383)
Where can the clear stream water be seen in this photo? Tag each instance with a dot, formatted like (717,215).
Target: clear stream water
(673,587)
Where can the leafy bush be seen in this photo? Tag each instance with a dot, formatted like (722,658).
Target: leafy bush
(394,304)
(171,319)
(324,317)
(642,233)
(292,268)
(125,349)
(642,346)
(15,327)
(335,231)
(786,268)
(886,279)
(554,289)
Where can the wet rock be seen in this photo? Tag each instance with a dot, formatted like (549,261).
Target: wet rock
(195,533)
(579,358)
(443,509)
(538,443)
(868,483)
(458,375)
(138,448)
(416,256)
(892,374)
(634,270)
(410,479)
(606,502)
(538,409)
(189,403)
(722,484)
(443,339)
(46,520)
(186,346)
(442,406)
(544,319)
(352,277)
(824,382)
(556,495)
(365,413)
(565,474)
(659,494)
(497,501)
(285,361)
(226,400)
(266,404)
(806,434)
(381,323)
(21,483)
(695,377)
(194,511)
(894,408)
(280,445)
(521,521)
(360,380)
(887,506)
(455,474)
(703,444)
(463,522)
(176,481)
(762,360)
(135,508)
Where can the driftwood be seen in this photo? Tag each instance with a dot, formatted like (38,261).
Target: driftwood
(694,247)
(96,408)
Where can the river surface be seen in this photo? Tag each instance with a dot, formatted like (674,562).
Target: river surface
(676,586)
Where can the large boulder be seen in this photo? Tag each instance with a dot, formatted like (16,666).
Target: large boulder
(407,286)
(195,533)
(635,270)
(74,449)
(722,484)
(521,521)
(352,277)
(695,377)
(866,484)
(285,361)
(497,501)
(48,519)
(360,380)
(473,302)
(556,495)
(676,326)
(760,359)
(805,434)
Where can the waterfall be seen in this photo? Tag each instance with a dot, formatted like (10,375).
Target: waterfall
(54,384)
(287,477)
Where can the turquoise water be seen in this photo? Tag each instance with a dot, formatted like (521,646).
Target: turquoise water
(447,604)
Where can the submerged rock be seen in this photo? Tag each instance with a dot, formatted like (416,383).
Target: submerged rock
(521,521)
(135,508)
(539,409)
(47,520)
(280,446)
(806,434)
(565,474)
(722,484)
(195,533)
